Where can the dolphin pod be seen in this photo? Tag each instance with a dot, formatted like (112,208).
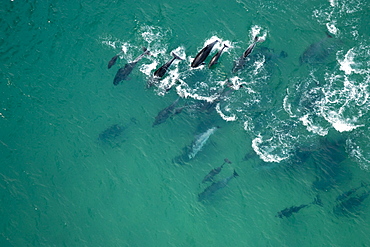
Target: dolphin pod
(199,59)
(348,202)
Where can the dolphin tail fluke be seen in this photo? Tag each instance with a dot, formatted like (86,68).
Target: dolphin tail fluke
(226,160)
(364,184)
(146,51)
(235,174)
(329,35)
(318,201)
(283,54)
(134,120)
(176,56)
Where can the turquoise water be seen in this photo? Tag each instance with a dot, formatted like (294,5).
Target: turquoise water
(293,131)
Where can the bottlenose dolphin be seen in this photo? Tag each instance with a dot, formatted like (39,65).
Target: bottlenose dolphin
(287,212)
(351,205)
(319,52)
(114,59)
(114,135)
(203,54)
(346,194)
(163,69)
(190,151)
(122,73)
(239,64)
(200,141)
(215,187)
(214,172)
(215,58)
(167,112)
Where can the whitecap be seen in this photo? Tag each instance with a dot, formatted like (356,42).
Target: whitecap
(232,117)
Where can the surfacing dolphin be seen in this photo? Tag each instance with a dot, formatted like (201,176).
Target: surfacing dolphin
(122,73)
(215,187)
(215,58)
(239,64)
(159,73)
(203,54)
(163,69)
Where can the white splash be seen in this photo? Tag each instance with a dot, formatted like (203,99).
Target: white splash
(265,153)
(287,106)
(311,127)
(148,68)
(347,62)
(224,117)
(340,123)
(332,28)
(333,3)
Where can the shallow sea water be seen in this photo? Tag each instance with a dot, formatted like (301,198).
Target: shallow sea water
(294,131)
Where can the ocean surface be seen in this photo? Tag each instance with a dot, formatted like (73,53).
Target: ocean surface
(82,162)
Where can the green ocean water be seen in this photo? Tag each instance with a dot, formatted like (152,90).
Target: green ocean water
(301,131)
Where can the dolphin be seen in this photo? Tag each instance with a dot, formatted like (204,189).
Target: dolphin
(203,54)
(167,112)
(200,141)
(214,172)
(215,58)
(346,194)
(163,69)
(113,60)
(215,187)
(319,52)
(287,212)
(122,73)
(351,205)
(239,64)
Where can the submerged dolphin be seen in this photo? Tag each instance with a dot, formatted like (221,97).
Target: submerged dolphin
(346,194)
(215,58)
(239,64)
(163,69)
(203,54)
(167,112)
(122,73)
(351,205)
(318,52)
(215,187)
(287,212)
(214,172)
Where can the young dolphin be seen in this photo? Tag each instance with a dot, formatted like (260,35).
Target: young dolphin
(215,58)
(214,172)
(203,54)
(122,73)
(208,192)
(114,59)
(163,69)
